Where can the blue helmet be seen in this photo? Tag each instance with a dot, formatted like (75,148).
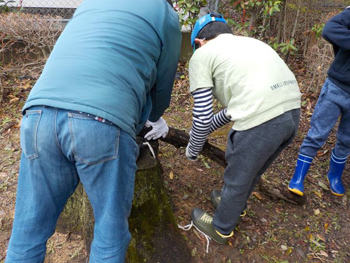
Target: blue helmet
(202,22)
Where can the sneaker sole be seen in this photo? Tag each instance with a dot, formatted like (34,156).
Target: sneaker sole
(222,241)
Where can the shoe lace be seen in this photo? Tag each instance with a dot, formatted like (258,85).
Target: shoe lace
(150,148)
(189,226)
(206,218)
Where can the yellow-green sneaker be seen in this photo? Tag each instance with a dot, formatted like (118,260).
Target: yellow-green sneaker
(203,221)
(216,198)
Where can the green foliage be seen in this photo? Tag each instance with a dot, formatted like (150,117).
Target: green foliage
(241,4)
(317,29)
(265,7)
(285,47)
(288,47)
(255,14)
(271,7)
(4,8)
(189,10)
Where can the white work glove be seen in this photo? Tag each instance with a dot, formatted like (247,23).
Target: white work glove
(159,129)
(190,156)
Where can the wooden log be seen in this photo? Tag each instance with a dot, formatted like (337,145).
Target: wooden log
(180,138)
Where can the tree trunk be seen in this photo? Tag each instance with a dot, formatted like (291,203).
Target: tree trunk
(284,33)
(294,30)
(281,22)
(296,21)
(155,234)
(307,25)
(252,22)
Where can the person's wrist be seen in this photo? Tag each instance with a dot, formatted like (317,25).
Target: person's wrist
(190,155)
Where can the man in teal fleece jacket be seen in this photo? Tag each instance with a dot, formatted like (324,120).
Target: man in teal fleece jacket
(111,70)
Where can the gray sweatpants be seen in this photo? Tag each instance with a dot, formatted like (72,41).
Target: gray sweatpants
(248,154)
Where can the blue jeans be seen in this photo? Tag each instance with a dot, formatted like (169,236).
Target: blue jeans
(332,103)
(59,148)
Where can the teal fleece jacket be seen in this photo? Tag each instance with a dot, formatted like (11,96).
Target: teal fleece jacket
(115,59)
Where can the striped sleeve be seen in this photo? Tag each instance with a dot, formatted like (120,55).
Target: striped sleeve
(202,119)
(219,120)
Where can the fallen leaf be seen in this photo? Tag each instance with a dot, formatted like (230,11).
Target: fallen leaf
(321,153)
(318,193)
(321,237)
(14,100)
(289,251)
(323,186)
(27,86)
(309,106)
(326,226)
(194,252)
(344,200)
(257,195)
(324,254)
(317,212)
(18,125)
(171,175)
(310,236)
(197,234)
(300,252)
(185,197)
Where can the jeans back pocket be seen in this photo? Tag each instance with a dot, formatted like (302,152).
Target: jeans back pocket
(93,141)
(29,133)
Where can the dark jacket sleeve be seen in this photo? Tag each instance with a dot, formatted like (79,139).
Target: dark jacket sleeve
(166,66)
(337,30)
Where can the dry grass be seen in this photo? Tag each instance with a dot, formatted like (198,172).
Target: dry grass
(22,38)
(37,32)
(318,59)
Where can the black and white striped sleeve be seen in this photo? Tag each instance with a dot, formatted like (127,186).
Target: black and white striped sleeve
(219,120)
(202,120)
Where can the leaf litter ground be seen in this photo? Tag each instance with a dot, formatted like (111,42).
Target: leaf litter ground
(272,231)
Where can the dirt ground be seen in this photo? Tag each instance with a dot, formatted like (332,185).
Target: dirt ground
(273,230)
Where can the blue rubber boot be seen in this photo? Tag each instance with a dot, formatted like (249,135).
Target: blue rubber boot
(296,184)
(336,168)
